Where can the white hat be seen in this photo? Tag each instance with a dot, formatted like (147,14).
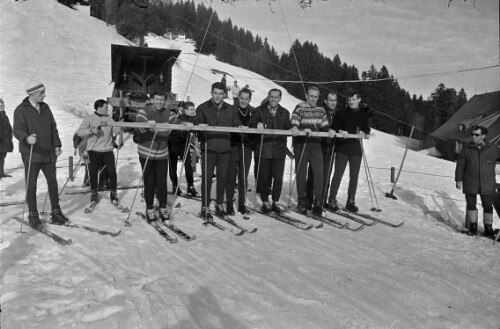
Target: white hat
(33,86)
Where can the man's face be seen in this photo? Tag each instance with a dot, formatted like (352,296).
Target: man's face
(217,95)
(39,96)
(274,98)
(331,101)
(353,101)
(244,100)
(103,110)
(312,97)
(158,101)
(477,136)
(190,111)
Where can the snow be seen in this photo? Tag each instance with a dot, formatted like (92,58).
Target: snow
(422,275)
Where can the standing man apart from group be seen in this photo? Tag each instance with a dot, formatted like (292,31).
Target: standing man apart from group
(270,152)
(235,92)
(99,137)
(6,145)
(153,152)
(216,147)
(475,174)
(351,120)
(241,155)
(308,116)
(39,144)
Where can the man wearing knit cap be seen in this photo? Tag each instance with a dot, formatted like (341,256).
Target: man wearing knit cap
(39,145)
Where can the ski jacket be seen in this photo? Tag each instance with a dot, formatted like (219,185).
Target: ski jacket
(178,137)
(245,115)
(103,140)
(5,134)
(306,117)
(476,168)
(351,121)
(157,149)
(273,146)
(217,116)
(28,121)
(328,143)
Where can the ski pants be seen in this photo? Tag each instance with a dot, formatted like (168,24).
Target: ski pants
(97,160)
(155,181)
(486,200)
(49,171)
(311,156)
(2,162)
(341,161)
(270,173)
(213,160)
(327,172)
(240,168)
(175,152)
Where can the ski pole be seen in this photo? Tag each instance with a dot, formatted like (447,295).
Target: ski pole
(377,208)
(207,209)
(127,221)
(27,186)
(297,169)
(330,168)
(258,164)
(186,150)
(391,195)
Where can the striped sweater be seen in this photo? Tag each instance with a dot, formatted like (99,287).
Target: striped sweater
(314,118)
(157,149)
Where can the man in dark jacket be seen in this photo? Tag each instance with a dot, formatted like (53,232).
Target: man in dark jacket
(351,120)
(241,155)
(475,173)
(6,145)
(271,153)
(39,145)
(215,147)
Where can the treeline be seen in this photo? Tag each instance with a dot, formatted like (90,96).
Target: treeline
(236,46)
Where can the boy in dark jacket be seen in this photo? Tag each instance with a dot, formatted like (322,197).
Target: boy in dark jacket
(241,156)
(216,147)
(271,153)
(5,138)
(351,120)
(39,145)
(475,173)
(177,148)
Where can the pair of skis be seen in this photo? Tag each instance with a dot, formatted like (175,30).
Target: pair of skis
(236,229)
(158,226)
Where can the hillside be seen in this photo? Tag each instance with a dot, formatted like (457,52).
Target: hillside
(422,275)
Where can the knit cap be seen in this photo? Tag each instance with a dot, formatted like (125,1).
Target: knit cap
(33,86)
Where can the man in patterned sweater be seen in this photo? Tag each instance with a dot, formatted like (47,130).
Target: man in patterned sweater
(309,117)
(153,153)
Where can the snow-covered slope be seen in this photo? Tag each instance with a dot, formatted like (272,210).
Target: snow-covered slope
(421,275)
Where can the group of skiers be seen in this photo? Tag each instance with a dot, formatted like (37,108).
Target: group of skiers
(229,154)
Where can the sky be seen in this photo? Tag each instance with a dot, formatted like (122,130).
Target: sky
(409,37)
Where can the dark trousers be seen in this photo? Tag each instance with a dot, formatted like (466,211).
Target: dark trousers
(2,162)
(175,152)
(341,161)
(100,160)
(155,181)
(49,171)
(312,156)
(240,168)
(270,174)
(327,172)
(221,161)
(486,200)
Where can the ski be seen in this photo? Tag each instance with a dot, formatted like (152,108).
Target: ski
(238,226)
(84,227)
(173,228)
(373,220)
(381,221)
(120,207)
(43,230)
(219,226)
(88,190)
(158,228)
(287,220)
(348,216)
(336,223)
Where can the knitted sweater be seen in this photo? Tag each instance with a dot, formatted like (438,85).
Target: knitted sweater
(103,140)
(304,116)
(157,149)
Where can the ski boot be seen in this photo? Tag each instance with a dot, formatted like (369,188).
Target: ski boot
(265,208)
(302,207)
(113,196)
(351,205)
(206,215)
(243,210)
(150,215)
(333,205)
(58,217)
(34,220)
(472,229)
(164,215)
(191,190)
(317,209)
(276,209)
(94,196)
(219,210)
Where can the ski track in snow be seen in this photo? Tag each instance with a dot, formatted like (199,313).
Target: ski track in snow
(422,275)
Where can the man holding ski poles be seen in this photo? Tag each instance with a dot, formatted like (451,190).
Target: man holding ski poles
(309,117)
(215,147)
(39,145)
